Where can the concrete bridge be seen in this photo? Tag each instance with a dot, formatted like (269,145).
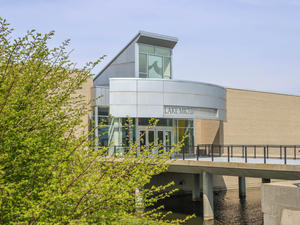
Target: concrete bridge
(265,168)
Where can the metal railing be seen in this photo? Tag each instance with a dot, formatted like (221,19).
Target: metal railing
(246,152)
(266,153)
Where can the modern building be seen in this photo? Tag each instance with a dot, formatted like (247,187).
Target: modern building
(138,82)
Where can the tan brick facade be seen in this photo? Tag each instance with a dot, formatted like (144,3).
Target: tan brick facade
(254,117)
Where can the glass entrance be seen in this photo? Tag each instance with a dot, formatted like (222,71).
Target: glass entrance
(158,136)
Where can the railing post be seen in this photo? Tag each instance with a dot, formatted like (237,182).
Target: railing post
(220,151)
(212,152)
(284,155)
(205,151)
(280,152)
(254,151)
(243,149)
(231,151)
(198,150)
(267,151)
(246,154)
(228,154)
(294,151)
(265,160)
(183,148)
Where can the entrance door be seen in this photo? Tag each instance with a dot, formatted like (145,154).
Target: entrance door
(146,138)
(159,136)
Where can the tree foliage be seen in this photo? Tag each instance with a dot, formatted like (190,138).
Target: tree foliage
(50,174)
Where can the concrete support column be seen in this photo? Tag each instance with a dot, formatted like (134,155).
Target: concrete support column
(196,188)
(265,180)
(139,205)
(242,187)
(208,196)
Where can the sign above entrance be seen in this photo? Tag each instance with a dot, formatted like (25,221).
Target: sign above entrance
(190,111)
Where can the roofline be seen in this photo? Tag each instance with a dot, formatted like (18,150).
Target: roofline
(266,92)
(119,53)
(149,34)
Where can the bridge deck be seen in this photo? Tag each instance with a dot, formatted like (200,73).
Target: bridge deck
(242,160)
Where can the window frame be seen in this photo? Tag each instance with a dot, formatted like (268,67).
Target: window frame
(155,54)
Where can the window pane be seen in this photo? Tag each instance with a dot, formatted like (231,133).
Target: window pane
(126,121)
(146,48)
(185,123)
(143,63)
(142,75)
(165,122)
(167,66)
(103,111)
(151,137)
(143,121)
(163,51)
(155,66)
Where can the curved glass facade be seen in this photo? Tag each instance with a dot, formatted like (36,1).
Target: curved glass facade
(117,132)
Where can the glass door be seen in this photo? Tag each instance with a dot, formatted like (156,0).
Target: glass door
(168,140)
(146,138)
(157,136)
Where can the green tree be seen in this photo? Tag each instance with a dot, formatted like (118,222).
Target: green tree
(49,172)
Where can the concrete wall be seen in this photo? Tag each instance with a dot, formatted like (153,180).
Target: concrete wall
(280,203)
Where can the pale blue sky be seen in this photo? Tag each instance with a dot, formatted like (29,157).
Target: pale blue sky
(248,44)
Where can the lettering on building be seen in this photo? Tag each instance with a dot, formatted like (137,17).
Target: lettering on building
(190,111)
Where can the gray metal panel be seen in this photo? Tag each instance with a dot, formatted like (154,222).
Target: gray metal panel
(106,96)
(122,98)
(208,101)
(114,62)
(122,57)
(150,85)
(222,103)
(150,111)
(93,95)
(203,89)
(111,72)
(150,98)
(97,91)
(101,80)
(222,93)
(121,111)
(179,99)
(179,87)
(122,84)
(130,70)
(222,114)
(147,98)
(121,70)
(130,53)
(157,39)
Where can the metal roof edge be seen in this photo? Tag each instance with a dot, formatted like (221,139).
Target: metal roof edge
(149,34)
(119,53)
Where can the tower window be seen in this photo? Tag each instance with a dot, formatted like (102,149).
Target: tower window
(154,62)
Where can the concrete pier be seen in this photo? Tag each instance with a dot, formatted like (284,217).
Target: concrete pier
(242,187)
(139,206)
(196,188)
(208,196)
